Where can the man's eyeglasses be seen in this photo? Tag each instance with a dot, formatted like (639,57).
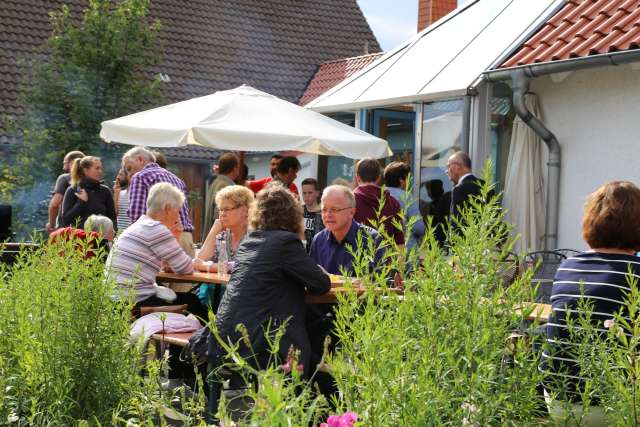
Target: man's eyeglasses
(333,210)
(225,210)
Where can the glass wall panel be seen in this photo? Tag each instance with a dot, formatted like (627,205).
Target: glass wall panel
(338,166)
(394,125)
(502,115)
(441,130)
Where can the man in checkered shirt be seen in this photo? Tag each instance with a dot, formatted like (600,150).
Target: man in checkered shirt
(141,165)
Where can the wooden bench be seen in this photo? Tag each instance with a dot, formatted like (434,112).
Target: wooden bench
(180,339)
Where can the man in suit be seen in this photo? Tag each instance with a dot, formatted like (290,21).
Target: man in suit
(466,185)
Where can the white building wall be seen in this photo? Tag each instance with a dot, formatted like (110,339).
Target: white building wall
(595,115)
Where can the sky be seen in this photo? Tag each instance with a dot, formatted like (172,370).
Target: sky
(392,21)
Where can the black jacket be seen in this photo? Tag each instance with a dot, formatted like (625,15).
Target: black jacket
(470,186)
(268,285)
(100,202)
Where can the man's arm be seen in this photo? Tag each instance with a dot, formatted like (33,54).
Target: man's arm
(54,209)
(137,199)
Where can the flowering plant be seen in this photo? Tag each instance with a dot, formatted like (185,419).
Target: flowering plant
(347,419)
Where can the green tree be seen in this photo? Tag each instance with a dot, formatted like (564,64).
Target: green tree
(92,68)
(89,70)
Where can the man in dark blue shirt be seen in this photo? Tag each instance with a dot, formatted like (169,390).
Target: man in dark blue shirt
(331,247)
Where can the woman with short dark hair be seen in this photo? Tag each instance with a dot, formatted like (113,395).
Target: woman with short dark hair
(600,277)
(272,274)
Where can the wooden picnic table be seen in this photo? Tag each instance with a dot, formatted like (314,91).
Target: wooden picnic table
(337,285)
(539,312)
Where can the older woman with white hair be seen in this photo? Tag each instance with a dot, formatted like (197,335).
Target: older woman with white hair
(101,225)
(136,257)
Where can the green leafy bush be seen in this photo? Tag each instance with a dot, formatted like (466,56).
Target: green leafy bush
(440,355)
(64,350)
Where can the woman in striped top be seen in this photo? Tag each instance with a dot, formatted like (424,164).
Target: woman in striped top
(121,198)
(599,277)
(137,255)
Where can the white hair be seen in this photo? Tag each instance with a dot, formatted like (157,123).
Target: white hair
(162,195)
(139,152)
(344,190)
(100,224)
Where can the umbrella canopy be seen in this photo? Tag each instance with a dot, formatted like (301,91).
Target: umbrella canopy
(243,119)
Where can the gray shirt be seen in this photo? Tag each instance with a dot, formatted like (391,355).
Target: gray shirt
(62,183)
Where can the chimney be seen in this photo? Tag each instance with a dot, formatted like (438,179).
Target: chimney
(429,11)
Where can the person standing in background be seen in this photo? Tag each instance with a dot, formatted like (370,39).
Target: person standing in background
(87,195)
(375,206)
(396,176)
(62,183)
(312,217)
(228,172)
(121,198)
(286,172)
(140,164)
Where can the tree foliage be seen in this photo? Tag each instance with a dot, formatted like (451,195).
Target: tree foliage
(92,68)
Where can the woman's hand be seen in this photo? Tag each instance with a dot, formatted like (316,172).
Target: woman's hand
(176,230)
(217,227)
(164,266)
(82,195)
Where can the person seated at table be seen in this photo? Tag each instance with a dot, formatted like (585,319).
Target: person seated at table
(137,255)
(330,247)
(271,277)
(101,225)
(599,277)
(98,234)
(229,230)
(333,249)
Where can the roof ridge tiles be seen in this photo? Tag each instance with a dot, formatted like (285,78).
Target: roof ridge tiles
(367,55)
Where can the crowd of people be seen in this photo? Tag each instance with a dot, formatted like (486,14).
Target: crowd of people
(279,244)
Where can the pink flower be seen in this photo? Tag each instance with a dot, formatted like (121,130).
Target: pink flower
(292,357)
(287,367)
(346,420)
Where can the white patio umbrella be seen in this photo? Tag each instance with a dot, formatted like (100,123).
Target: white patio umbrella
(243,119)
(524,183)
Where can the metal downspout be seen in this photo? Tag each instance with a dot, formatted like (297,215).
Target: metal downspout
(520,81)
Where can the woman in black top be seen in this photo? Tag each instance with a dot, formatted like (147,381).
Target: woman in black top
(86,195)
(271,277)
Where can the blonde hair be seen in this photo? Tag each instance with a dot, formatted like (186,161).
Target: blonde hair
(162,195)
(238,194)
(79,166)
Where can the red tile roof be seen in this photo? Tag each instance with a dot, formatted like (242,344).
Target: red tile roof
(582,28)
(331,73)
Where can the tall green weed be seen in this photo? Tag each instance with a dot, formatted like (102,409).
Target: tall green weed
(64,347)
(439,355)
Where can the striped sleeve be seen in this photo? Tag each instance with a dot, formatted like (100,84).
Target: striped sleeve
(165,246)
